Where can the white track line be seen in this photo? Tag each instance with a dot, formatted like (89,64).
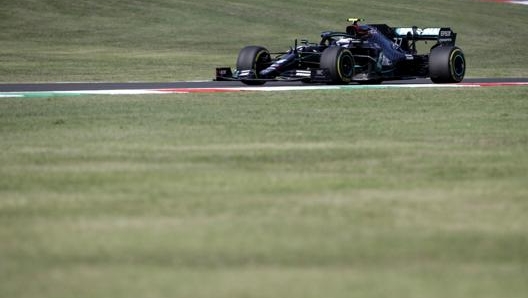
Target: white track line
(252,89)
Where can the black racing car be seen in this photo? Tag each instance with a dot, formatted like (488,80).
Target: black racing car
(367,54)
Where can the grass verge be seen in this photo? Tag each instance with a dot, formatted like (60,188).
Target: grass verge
(167,40)
(407,193)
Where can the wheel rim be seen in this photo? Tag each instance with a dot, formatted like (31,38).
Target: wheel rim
(458,66)
(346,66)
(260,60)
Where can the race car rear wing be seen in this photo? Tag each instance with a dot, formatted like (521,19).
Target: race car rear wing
(442,35)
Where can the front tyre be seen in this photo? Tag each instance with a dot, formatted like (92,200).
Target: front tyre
(254,58)
(447,64)
(340,64)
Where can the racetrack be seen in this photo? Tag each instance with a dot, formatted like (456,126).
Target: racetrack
(76,86)
(130,88)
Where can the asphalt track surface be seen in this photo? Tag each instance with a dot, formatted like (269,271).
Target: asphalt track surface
(37,87)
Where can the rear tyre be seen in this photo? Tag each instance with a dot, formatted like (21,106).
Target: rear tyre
(447,64)
(340,64)
(255,58)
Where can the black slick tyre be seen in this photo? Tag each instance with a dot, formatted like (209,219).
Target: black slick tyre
(255,58)
(340,64)
(447,64)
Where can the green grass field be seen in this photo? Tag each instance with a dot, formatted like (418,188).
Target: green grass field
(407,193)
(167,40)
(364,193)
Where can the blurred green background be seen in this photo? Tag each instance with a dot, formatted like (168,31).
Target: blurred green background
(166,40)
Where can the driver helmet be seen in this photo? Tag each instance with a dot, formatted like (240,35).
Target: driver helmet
(356,29)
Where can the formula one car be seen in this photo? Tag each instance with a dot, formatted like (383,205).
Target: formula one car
(366,54)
